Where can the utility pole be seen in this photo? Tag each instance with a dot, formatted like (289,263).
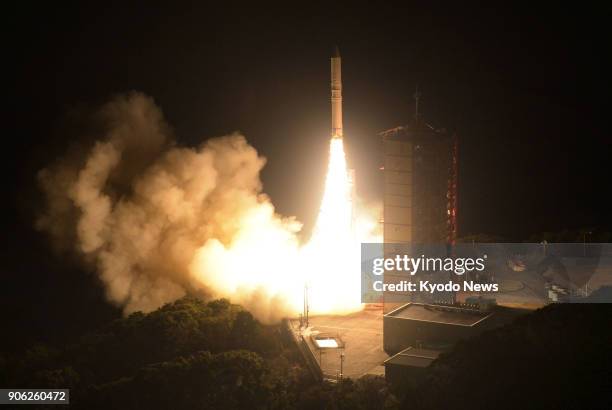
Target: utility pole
(341,363)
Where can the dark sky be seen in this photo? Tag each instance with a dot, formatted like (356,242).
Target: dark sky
(524,89)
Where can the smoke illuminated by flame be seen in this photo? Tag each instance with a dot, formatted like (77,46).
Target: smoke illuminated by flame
(267,261)
(158,221)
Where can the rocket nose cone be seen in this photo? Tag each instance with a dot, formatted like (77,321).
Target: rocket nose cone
(336,52)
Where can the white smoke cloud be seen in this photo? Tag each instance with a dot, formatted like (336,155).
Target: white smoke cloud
(158,221)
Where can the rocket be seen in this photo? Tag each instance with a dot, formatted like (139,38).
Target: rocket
(336,94)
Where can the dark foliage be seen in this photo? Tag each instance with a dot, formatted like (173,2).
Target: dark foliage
(189,354)
(557,357)
(193,354)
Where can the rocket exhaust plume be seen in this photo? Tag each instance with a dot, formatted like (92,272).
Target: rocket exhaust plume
(334,284)
(157,221)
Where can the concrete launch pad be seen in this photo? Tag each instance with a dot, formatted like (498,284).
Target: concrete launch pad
(359,337)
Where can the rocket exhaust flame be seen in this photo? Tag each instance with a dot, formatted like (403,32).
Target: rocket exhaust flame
(334,221)
(332,255)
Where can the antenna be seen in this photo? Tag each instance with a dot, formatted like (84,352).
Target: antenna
(417,97)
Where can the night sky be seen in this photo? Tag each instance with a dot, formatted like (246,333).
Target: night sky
(526,91)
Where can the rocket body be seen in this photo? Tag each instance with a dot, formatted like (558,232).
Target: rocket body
(336,95)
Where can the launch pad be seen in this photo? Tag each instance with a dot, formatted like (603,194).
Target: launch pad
(338,346)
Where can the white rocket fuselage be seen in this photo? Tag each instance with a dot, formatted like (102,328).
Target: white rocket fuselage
(336,95)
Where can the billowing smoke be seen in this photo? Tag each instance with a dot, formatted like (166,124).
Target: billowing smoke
(158,221)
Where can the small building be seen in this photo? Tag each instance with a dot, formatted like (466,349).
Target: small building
(439,326)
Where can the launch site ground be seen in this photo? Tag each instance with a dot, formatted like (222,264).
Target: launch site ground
(351,345)
(359,337)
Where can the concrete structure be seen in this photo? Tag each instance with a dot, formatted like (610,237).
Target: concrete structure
(359,337)
(336,94)
(439,326)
